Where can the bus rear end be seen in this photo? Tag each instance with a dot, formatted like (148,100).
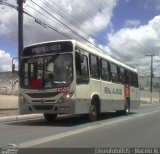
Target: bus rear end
(47,79)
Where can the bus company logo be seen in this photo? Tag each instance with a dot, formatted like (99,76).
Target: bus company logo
(113,91)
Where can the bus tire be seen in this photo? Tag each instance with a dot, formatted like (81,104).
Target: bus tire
(50,117)
(93,112)
(126,110)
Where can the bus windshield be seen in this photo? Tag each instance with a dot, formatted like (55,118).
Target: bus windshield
(46,72)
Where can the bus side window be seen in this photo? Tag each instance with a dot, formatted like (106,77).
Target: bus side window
(128,77)
(137,83)
(132,79)
(122,75)
(114,72)
(82,72)
(105,74)
(135,80)
(94,67)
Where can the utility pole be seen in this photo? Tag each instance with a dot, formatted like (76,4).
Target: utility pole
(151,55)
(20,30)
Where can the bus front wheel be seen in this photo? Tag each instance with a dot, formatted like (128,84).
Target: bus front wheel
(93,113)
(50,117)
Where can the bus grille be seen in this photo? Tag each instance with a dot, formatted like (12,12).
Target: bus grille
(46,101)
(43,95)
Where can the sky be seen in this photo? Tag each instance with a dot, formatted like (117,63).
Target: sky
(125,29)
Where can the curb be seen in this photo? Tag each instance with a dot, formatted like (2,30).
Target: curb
(5,109)
(20,117)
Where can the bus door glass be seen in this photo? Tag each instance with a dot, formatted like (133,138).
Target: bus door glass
(82,86)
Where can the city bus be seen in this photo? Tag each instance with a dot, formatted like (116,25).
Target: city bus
(69,77)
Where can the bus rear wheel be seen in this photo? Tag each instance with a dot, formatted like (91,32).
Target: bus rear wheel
(50,117)
(126,110)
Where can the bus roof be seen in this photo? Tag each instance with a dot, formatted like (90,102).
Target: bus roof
(94,51)
(104,55)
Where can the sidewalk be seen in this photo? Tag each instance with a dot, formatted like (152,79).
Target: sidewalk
(8,105)
(9,109)
(8,102)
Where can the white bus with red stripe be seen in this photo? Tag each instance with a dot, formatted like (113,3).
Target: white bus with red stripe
(68,77)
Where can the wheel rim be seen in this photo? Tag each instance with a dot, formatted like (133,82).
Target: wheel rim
(93,112)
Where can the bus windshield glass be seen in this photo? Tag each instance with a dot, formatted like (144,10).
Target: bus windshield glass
(46,72)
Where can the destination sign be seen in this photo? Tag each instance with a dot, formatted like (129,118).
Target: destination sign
(48,48)
(45,49)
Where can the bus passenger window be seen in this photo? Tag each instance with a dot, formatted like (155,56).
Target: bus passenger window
(82,68)
(105,70)
(128,77)
(132,79)
(135,80)
(122,75)
(114,72)
(94,67)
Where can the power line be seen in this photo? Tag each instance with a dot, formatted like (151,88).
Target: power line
(62,23)
(76,33)
(73,2)
(45,25)
(36,20)
(59,13)
(85,12)
(8,4)
(94,4)
(69,27)
(82,11)
(65,17)
(43,15)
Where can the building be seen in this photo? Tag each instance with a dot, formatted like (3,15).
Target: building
(145,86)
(145,83)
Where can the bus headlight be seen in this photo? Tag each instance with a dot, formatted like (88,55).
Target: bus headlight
(65,98)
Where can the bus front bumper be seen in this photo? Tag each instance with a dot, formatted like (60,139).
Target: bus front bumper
(58,108)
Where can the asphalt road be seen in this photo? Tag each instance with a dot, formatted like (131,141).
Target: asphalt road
(139,129)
